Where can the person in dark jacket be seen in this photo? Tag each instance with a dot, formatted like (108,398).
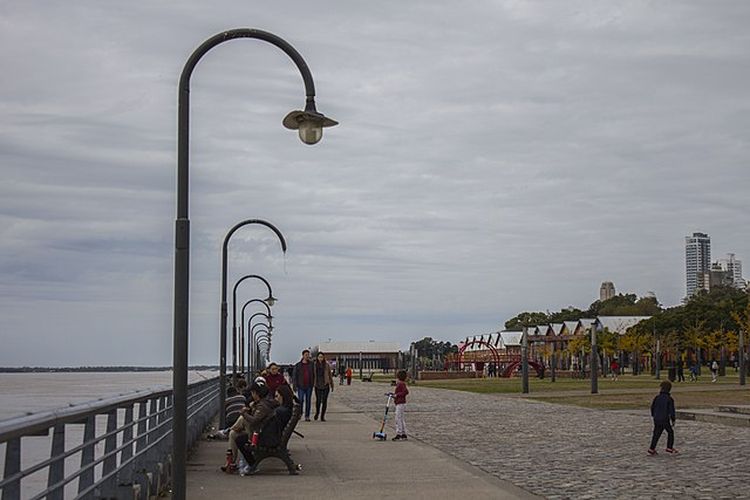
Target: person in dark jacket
(303,381)
(254,417)
(662,411)
(323,383)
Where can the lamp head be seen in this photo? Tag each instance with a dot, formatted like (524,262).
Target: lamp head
(309,124)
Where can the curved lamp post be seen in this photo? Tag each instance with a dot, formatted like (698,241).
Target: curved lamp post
(250,330)
(251,353)
(253,341)
(257,361)
(270,301)
(260,341)
(252,338)
(310,124)
(242,326)
(223,327)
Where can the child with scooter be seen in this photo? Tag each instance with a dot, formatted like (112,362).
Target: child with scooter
(399,398)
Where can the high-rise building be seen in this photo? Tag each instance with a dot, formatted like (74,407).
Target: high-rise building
(606,291)
(718,277)
(734,267)
(697,262)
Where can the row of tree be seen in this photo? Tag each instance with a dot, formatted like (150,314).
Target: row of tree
(619,305)
(708,321)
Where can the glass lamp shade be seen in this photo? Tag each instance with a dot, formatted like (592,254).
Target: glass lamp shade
(310,132)
(309,124)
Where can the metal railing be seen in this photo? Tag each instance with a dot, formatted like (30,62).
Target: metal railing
(135,430)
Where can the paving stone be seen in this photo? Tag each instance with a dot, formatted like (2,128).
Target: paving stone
(568,452)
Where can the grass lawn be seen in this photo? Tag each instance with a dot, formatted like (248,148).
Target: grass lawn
(628,392)
(513,385)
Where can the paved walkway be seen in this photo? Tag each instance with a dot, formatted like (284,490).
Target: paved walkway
(340,460)
(569,452)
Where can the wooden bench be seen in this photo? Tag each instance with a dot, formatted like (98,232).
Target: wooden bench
(368,378)
(282,450)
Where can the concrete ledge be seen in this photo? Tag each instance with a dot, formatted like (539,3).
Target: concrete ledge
(743,409)
(715,417)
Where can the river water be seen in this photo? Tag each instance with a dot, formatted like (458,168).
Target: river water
(24,393)
(28,393)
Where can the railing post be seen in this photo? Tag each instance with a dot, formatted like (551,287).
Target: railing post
(56,471)
(109,487)
(141,443)
(12,491)
(86,478)
(125,476)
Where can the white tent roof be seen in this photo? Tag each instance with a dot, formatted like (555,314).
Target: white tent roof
(571,326)
(557,327)
(510,338)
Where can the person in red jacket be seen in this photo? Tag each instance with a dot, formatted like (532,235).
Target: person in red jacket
(274,378)
(399,398)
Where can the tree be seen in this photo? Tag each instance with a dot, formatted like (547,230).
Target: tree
(609,342)
(625,305)
(429,348)
(527,319)
(580,344)
(568,314)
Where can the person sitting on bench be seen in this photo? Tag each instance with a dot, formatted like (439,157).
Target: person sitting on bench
(270,432)
(252,420)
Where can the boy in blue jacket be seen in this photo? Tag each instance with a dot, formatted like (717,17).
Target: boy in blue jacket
(662,411)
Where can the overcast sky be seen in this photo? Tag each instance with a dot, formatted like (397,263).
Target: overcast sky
(492,157)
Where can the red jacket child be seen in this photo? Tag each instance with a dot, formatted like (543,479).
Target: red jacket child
(399,395)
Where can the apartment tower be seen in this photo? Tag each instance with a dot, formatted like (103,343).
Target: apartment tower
(697,262)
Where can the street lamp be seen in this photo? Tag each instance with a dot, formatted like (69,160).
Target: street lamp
(223,327)
(259,342)
(242,324)
(742,359)
(594,362)
(251,341)
(525,360)
(310,123)
(249,322)
(270,301)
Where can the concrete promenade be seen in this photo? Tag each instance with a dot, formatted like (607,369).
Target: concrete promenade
(341,460)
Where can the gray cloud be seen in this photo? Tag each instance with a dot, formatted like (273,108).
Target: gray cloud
(492,156)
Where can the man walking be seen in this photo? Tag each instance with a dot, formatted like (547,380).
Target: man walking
(302,378)
(323,383)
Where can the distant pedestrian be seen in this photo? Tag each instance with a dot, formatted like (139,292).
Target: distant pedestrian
(662,411)
(348,375)
(341,375)
(614,367)
(714,370)
(399,399)
(680,371)
(323,383)
(303,381)
(694,373)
